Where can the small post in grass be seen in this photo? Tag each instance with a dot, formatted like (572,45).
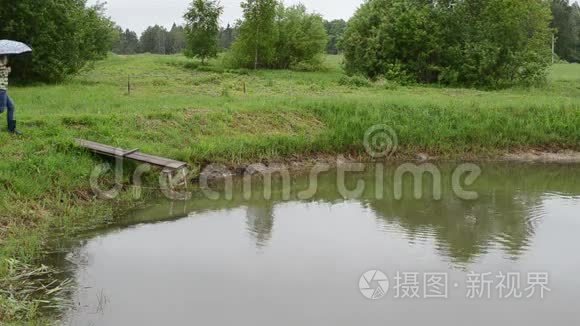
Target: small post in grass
(128,84)
(244,86)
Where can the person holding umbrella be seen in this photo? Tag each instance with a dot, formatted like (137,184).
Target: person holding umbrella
(5,100)
(6,103)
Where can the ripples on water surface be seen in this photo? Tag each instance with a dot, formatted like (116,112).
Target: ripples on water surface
(259,262)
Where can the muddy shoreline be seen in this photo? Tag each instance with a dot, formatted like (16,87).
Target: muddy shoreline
(300,164)
(543,157)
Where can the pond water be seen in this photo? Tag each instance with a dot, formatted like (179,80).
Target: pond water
(509,256)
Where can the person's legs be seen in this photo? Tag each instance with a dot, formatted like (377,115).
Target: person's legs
(3,100)
(10,106)
(10,116)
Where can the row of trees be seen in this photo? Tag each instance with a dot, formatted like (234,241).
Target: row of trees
(155,39)
(128,42)
(66,36)
(469,42)
(158,40)
(270,34)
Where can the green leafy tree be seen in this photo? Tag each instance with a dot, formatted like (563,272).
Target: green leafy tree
(301,40)
(202,29)
(178,39)
(228,36)
(493,43)
(66,36)
(566,22)
(156,40)
(335,30)
(393,38)
(506,43)
(576,7)
(256,43)
(272,36)
(127,42)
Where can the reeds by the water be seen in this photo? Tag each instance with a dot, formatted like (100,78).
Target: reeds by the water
(27,290)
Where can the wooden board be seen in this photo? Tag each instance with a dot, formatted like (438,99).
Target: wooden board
(131,154)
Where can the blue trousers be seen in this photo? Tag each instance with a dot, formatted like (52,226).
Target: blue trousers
(6,103)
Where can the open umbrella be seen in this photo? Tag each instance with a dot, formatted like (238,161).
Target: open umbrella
(13,47)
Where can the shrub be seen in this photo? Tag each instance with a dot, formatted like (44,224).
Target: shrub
(355,81)
(315,64)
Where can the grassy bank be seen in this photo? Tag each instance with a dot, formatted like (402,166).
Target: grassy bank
(201,115)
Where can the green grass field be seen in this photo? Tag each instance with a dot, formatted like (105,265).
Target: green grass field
(201,114)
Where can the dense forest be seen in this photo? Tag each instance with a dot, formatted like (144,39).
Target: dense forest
(173,40)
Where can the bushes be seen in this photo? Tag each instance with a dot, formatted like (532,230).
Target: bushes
(392,35)
(65,36)
(493,43)
(273,36)
(354,81)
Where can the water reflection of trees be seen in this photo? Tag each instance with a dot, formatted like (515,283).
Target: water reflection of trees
(464,230)
(506,215)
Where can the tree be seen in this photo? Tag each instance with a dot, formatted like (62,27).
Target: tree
(566,22)
(255,45)
(65,35)
(507,43)
(577,9)
(301,38)
(228,36)
(202,29)
(127,42)
(393,38)
(156,40)
(294,38)
(178,39)
(335,30)
(493,43)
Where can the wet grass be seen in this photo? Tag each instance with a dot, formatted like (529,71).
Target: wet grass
(178,109)
(26,290)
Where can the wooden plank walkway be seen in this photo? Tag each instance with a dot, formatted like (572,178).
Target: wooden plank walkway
(134,154)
